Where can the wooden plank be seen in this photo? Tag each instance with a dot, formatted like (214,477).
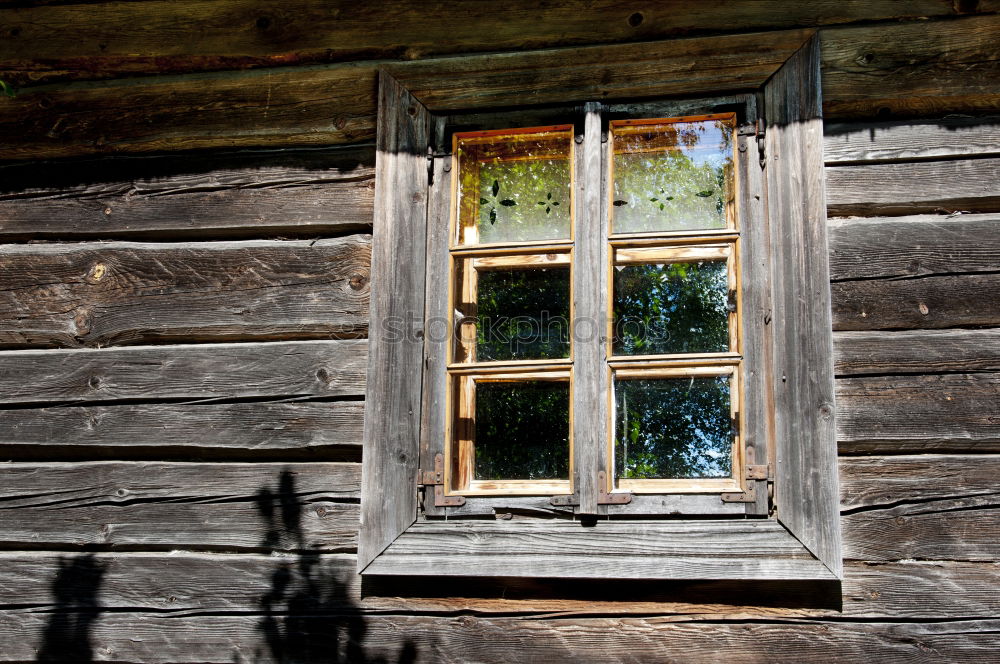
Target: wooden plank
(395,363)
(946,529)
(202,506)
(122,293)
(912,69)
(907,140)
(182,582)
(916,351)
(950,412)
(205,371)
(916,246)
(953,185)
(224,639)
(155,37)
(868,483)
(936,301)
(321,191)
(802,372)
(231,430)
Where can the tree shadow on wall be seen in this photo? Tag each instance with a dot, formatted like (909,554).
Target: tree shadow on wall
(309,614)
(74,590)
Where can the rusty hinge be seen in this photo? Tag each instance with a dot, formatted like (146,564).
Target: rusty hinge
(748,496)
(761,472)
(603,496)
(760,141)
(435,478)
(751,472)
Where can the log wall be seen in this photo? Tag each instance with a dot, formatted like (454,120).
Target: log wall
(183,354)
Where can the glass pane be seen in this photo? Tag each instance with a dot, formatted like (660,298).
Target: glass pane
(672,176)
(521,314)
(671,308)
(522,430)
(673,428)
(514,186)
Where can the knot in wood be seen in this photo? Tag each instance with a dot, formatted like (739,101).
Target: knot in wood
(636,19)
(358,281)
(323,375)
(97,272)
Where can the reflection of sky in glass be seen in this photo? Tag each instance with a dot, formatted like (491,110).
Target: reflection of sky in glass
(515,187)
(671,176)
(674,428)
(522,430)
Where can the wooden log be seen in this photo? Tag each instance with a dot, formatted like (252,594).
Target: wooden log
(870,483)
(916,351)
(206,371)
(911,69)
(316,192)
(224,639)
(201,506)
(917,303)
(108,40)
(950,412)
(204,582)
(856,142)
(235,430)
(954,185)
(128,293)
(917,246)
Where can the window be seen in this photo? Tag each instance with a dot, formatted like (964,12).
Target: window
(614,313)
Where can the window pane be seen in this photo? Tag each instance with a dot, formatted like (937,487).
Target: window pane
(514,186)
(671,308)
(521,314)
(672,176)
(673,428)
(522,430)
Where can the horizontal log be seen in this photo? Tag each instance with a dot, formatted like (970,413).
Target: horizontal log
(916,351)
(120,293)
(919,413)
(244,583)
(159,639)
(959,529)
(200,506)
(207,371)
(113,39)
(323,191)
(233,430)
(916,246)
(953,185)
(902,141)
(873,483)
(917,303)
(911,69)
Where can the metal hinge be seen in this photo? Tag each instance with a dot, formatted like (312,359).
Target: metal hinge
(603,497)
(760,141)
(435,478)
(751,472)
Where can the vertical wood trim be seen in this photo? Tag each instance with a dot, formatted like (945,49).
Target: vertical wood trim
(393,396)
(806,473)
(589,313)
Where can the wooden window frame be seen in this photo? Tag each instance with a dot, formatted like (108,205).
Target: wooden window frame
(787,326)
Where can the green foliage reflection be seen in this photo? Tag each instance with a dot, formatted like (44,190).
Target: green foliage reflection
(523,314)
(672,308)
(676,428)
(522,430)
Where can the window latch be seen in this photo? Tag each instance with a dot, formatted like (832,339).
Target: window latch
(435,478)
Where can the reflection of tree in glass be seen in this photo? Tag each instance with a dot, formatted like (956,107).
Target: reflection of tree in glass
(522,314)
(672,308)
(673,428)
(525,200)
(522,430)
(671,178)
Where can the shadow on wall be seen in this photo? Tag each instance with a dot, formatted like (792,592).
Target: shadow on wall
(74,591)
(308,616)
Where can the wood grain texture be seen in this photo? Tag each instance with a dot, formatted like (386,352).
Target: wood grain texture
(130,293)
(197,506)
(912,69)
(320,191)
(868,483)
(894,414)
(181,582)
(101,40)
(902,141)
(207,371)
(802,371)
(916,351)
(223,639)
(395,361)
(953,185)
(236,429)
